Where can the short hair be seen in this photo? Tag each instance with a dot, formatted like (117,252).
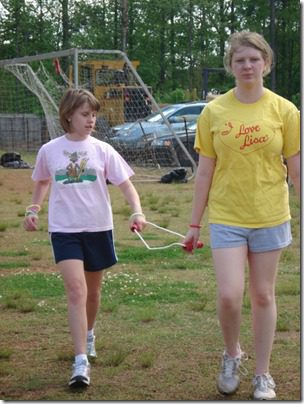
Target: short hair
(73,99)
(250,39)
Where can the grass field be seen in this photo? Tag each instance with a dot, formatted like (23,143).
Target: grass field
(158,337)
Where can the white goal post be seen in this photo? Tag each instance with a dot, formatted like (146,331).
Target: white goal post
(32,86)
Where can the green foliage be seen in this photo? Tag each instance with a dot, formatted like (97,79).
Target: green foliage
(36,284)
(129,288)
(172,40)
(174,96)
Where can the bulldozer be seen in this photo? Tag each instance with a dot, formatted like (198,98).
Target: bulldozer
(113,84)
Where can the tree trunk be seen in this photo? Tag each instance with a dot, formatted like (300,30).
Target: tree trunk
(65,24)
(124,25)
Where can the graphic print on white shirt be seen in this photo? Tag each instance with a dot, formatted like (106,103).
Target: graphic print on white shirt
(76,169)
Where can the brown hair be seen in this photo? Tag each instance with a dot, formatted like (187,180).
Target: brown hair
(253,40)
(73,99)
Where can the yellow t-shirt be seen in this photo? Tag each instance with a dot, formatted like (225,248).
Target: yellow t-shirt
(249,142)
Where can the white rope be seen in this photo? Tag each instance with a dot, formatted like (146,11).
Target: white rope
(164,229)
(165,246)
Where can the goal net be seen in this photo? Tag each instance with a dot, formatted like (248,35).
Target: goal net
(129,119)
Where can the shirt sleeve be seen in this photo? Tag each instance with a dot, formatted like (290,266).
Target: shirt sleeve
(291,132)
(41,170)
(117,169)
(203,139)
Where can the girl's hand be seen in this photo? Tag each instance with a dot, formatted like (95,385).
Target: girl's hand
(192,238)
(30,222)
(137,221)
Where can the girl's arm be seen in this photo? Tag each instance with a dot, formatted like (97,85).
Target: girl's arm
(31,215)
(202,185)
(294,171)
(137,218)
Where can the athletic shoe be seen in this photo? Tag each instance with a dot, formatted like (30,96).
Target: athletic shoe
(228,379)
(264,386)
(81,375)
(91,351)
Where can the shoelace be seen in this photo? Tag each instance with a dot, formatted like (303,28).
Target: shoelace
(263,382)
(231,364)
(81,367)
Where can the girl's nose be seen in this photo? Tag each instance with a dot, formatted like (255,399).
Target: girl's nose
(247,64)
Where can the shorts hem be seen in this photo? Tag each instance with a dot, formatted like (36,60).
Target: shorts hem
(100,269)
(279,247)
(227,245)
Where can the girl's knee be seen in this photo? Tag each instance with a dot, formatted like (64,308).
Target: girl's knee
(263,298)
(230,301)
(76,293)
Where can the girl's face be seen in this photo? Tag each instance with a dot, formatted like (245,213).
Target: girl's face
(82,121)
(248,66)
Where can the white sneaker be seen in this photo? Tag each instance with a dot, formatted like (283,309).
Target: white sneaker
(91,351)
(81,374)
(264,386)
(228,380)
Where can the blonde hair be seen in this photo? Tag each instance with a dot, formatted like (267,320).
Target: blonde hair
(73,99)
(252,40)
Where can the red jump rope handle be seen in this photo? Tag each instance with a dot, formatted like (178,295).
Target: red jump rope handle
(189,246)
(134,227)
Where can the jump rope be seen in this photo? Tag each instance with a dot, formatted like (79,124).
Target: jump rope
(187,247)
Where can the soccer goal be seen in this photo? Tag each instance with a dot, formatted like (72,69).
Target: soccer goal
(130,119)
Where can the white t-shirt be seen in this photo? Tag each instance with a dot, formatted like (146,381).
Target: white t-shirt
(79,199)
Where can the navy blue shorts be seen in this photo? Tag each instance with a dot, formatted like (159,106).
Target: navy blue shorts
(95,249)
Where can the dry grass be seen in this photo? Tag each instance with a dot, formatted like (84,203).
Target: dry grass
(157,333)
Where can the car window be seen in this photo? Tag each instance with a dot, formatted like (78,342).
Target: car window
(191,110)
(174,110)
(156,117)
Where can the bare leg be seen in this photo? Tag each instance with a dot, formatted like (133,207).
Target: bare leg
(263,271)
(76,289)
(230,268)
(93,280)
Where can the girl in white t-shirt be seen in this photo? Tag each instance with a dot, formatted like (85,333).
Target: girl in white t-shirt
(78,166)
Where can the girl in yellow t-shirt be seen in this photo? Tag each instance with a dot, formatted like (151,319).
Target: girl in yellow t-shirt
(244,138)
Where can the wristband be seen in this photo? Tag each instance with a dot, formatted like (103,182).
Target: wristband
(195,226)
(33,208)
(137,214)
(30,213)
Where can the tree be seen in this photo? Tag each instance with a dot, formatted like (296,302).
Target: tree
(173,40)
(65,22)
(124,24)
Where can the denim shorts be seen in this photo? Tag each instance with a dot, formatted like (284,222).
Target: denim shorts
(95,249)
(257,240)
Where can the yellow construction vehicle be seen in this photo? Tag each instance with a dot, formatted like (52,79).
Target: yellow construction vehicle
(114,85)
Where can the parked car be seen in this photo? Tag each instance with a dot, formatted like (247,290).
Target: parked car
(171,112)
(137,136)
(164,148)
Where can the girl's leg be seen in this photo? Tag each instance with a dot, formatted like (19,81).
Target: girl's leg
(262,277)
(230,274)
(76,289)
(93,280)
